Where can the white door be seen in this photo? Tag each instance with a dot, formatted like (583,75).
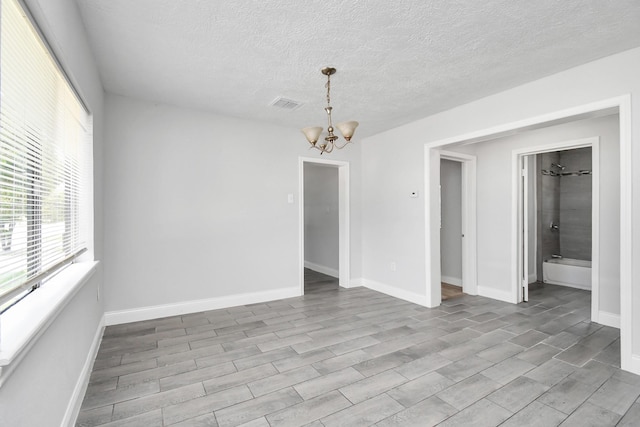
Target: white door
(524,278)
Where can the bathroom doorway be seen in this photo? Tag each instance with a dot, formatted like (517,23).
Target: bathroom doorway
(559,200)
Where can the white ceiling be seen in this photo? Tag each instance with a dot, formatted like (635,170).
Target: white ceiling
(397,61)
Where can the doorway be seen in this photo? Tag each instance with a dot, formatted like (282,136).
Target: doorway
(618,105)
(321,249)
(451,229)
(326,258)
(467,231)
(558,217)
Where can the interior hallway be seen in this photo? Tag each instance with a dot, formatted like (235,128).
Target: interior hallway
(358,357)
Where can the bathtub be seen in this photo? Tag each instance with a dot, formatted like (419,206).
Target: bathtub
(575,273)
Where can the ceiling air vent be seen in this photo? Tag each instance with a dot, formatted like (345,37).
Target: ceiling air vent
(285,104)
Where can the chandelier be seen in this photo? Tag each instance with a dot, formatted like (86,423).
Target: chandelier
(346,128)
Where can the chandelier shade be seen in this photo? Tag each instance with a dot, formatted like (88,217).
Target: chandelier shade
(313,133)
(347,129)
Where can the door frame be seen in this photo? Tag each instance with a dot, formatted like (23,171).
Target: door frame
(469,253)
(523,228)
(344,273)
(518,235)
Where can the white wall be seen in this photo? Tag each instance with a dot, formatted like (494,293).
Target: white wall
(321,218)
(451,225)
(494,180)
(393,227)
(392,221)
(38,392)
(196,207)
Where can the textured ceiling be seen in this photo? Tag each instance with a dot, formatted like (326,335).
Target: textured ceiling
(397,61)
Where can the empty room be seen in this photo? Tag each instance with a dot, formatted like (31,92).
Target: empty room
(331,213)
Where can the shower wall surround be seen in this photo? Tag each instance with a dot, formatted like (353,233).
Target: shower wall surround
(548,202)
(575,205)
(566,202)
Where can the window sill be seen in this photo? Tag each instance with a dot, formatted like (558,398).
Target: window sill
(23,324)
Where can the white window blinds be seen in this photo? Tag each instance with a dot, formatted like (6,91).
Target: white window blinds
(45,155)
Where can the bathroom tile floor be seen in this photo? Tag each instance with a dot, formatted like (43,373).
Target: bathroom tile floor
(355,357)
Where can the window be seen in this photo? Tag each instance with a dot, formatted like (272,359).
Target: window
(45,161)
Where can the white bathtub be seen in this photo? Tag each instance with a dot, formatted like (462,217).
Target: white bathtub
(575,273)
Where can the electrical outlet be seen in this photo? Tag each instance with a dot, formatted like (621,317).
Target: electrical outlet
(393,266)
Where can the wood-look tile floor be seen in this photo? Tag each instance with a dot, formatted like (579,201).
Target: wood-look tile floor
(355,357)
(449,291)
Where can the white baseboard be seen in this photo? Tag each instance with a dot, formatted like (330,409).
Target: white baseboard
(176,309)
(609,319)
(455,281)
(533,278)
(322,269)
(354,283)
(635,364)
(395,292)
(505,296)
(75,403)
